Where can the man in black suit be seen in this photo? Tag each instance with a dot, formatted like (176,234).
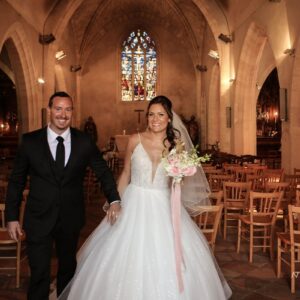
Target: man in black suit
(55,159)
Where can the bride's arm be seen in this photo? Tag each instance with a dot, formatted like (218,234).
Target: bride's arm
(124,178)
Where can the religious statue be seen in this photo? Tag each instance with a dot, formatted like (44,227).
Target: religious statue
(91,129)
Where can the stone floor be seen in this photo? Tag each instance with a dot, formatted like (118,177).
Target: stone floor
(255,281)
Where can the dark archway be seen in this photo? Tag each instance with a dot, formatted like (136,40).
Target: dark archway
(268,121)
(9,118)
(8,106)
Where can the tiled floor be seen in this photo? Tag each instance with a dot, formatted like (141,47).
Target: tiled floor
(255,281)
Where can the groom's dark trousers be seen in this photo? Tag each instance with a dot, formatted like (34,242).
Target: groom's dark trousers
(55,205)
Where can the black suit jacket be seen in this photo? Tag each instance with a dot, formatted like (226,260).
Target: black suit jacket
(49,197)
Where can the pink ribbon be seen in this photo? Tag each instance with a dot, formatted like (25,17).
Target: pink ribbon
(176,216)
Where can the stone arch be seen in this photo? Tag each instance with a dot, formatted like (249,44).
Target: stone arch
(25,78)
(8,72)
(244,106)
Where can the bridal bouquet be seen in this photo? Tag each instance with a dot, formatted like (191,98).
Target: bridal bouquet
(179,163)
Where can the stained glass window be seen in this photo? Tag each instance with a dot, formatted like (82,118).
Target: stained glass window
(139,67)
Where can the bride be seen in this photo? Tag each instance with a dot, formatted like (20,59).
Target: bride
(134,259)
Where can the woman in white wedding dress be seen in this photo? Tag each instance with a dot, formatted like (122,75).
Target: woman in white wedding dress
(134,259)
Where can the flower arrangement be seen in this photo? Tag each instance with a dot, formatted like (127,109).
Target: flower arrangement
(179,163)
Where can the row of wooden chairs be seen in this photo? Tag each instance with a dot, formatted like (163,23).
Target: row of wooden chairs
(288,244)
(259,225)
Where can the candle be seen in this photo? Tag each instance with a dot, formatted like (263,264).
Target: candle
(275,116)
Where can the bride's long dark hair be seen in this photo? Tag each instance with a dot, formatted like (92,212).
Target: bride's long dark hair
(172,133)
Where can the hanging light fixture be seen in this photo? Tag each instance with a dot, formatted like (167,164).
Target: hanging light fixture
(60,55)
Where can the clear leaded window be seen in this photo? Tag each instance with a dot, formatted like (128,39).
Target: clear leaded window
(139,67)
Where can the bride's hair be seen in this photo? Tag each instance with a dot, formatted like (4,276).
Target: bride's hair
(172,133)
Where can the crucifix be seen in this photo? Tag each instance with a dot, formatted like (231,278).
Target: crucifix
(139,117)
(139,114)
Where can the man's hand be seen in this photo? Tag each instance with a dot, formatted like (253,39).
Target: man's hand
(14,230)
(113,212)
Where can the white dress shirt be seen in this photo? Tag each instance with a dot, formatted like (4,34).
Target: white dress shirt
(52,141)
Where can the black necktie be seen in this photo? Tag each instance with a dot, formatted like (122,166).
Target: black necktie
(60,156)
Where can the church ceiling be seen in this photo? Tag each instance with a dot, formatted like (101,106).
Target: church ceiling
(95,18)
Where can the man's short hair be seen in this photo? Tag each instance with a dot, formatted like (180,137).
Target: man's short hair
(58,94)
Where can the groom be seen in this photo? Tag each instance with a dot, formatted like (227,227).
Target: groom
(55,160)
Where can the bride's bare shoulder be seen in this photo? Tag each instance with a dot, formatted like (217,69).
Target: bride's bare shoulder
(133,141)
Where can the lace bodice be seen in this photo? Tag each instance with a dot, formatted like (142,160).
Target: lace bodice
(142,173)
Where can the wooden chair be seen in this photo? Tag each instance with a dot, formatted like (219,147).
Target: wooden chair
(288,244)
(241,173)
(273,175)
(216,181)
(294,181)
(280,187)
(9,248)
(259,223)
(216,198)
(258,169)
(209,172)
(230,168)
(208,221)
(296,171)
(256,182)
(296,202)
(236,195)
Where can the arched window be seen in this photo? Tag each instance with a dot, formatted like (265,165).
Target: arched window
(139,67)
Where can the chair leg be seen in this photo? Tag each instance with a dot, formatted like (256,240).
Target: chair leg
(225,225)
(251,245)
(278,258)
(272,244)
(18,265)
(239,236)
(293,270)
(265,240)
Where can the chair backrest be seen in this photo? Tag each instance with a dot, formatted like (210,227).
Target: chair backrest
(296,171)
(208,219)
(236,194)
(230,168)
(294,181)
(263,204)
(241,173)
(256,182)
(216,181)
(216,197)
(294,220)
(258,169)
(209,172)
(273,175)
(276,186)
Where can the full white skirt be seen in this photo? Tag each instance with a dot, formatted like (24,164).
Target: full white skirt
(134,259)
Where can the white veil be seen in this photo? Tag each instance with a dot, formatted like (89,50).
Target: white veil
(195,189)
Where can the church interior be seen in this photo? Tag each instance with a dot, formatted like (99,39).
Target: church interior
(230,67)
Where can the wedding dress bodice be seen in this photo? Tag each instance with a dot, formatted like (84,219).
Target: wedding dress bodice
(142,172)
